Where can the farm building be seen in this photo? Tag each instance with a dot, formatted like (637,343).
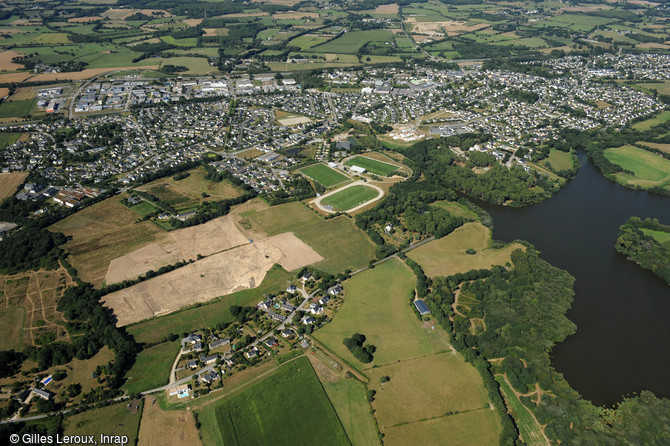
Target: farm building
(422,307)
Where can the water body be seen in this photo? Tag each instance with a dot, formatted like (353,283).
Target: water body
(622,312)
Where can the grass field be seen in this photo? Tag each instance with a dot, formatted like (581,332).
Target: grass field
(324,236)
(307,41)
(9,182)
(79,371)
(377,305)
(186,194)
(103,232)
(457,209)
(288,408)
(209,314)
(143,209)
(350,197)
(447,255)
(116,419)
(662,237)
(323,174)
(374,166)
(8,139)
(350,42)
(531,433)
(648,168)
(560,160)
(12,321)
(151,368)
(649,123)
(16,109)
(167,427)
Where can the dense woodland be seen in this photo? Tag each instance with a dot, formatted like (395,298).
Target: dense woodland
(645,249)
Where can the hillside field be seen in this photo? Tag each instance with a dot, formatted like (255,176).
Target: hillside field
(9,183)
(648,169)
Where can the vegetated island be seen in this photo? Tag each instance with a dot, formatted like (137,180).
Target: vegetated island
(647,242)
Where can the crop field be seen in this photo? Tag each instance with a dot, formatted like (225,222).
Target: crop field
(219,274)
(350,42)
(324,236)
(28,306)
(116,419)
(374,166)
(9,183)
(151,368)
(376,304)
(259,414)
(323,174)
(447,255)
(649,123)
(350,197)
(648,168)
(660,146)
(560,160)
(101,233)
(173,427)
(209,314)
(530,431)
(16,109)
(307,41)
(7,139)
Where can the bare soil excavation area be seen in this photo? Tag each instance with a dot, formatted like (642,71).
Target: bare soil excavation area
(242,267)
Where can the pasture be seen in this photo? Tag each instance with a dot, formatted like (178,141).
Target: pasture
(307,41)
(372,165)
(261,413)
(11,328)
(350,42)
(350,197)
(324,236)
(7,139)
(115,419)
(648,168)
(651,122)
(661,237)
(323,174)
(101,233)
(454,208)
(376,304)
(446,256)
(209,314)
(171,427)
(151,368)
(559,160)
(9,183)
(531,432)
(16,109)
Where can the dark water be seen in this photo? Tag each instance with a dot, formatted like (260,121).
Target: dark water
(622,312)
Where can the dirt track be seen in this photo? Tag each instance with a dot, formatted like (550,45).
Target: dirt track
(239,268)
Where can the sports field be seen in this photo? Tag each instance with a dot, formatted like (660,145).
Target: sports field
(209,314)
(101,233)
(324,175)
(350,197)
(324,236)
(530,431)
(151,368)
(447,255)
(648,168)
(289,407)
(377,305)
(9,182)
(116,419)
(374,166)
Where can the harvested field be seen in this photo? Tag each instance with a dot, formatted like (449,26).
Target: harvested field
(9,182)
(295,121)
(295,15)
(183,244)
(387,9)
(219,274)
(14,77)
(79,75)
(449,27)
(215,31)
(167,427)
(192,22)
(662,147)
(6,61)
(120,14)
(4,92)
(84,19)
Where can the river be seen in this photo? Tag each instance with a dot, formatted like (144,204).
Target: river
(622,312)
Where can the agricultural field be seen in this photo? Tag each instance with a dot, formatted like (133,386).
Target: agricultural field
(117,419)
(648,169)
(350,42)
(371,165)
(101,233)
(376,304)
(16,109)
(448,255)
(350,197)
(28,308)
(208,314)
(151,368)
(531,432)
(143,209)
(324,236)
(259,414)
(186,194)
(307,41)
(7,139)
(9,183)
(454,208)
(559,160)
(651,122)
(323,174)
(173,427)
(661,236)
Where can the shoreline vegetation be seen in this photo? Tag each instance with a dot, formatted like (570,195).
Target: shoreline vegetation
(647,243)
